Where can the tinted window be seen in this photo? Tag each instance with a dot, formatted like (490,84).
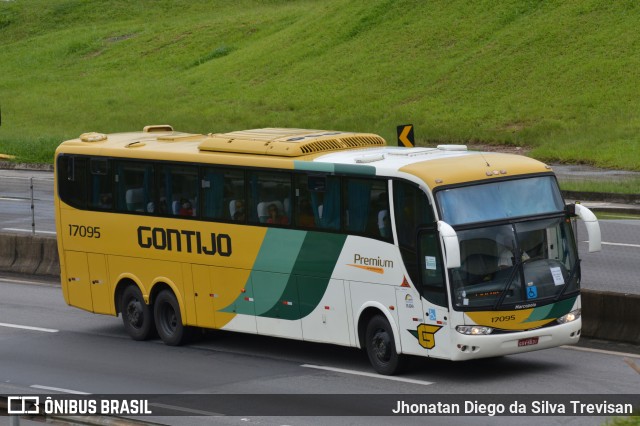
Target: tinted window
(269,198)
(500,200)
(177,191)
(318,202)
(101,184)
(223,194)
(367,208)
(72,180)
(134,187)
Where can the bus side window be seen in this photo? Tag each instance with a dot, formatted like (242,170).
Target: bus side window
(72,180)
(306,216)
(270,198)
(411,210)
(100,186)
(432,270)
(178,190)
(134,189)
(367,208)
(318,199)
(223,194)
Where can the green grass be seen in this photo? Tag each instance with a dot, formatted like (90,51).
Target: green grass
(616,216)
(622,186)
(560,77)
(624,421)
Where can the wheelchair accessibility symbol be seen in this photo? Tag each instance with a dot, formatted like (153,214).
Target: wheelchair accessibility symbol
(532,292)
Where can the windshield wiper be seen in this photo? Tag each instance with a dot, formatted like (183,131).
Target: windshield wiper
(566,284)
(512,276)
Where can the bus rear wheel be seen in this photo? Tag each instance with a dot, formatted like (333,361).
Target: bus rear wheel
(136,315)
(381,346)
(166,312)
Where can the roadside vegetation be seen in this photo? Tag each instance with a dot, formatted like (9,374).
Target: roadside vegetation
(621,186)
(559,77)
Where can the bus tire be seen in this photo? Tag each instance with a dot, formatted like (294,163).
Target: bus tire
(166,312)
(381,346)
(137,316)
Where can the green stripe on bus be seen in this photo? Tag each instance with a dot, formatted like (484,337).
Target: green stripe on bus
(354,169)
(270,272)
(553,311)
(349,169)
(310,276)
(313,166)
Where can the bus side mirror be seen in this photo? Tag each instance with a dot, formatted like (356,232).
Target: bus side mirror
(591,223)
(451,244)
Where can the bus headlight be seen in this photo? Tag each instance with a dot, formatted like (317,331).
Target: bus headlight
(474,330)
(571,316)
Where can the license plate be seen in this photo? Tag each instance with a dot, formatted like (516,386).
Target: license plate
(528,342)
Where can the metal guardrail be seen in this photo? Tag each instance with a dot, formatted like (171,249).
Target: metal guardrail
(29,192)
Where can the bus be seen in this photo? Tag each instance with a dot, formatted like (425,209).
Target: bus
(320,236)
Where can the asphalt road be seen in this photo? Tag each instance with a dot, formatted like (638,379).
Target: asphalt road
(614,269)
(67,350)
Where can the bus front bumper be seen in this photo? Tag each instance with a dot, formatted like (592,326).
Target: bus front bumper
(467,347)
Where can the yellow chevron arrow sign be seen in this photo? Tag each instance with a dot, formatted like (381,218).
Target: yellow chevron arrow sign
(405,135)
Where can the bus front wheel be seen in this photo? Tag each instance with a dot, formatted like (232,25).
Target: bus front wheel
(136,315)
(168,319)
(381,346)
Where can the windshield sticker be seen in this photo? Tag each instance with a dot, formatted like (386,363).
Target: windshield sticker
(556,273)
(532,292)
(430,262)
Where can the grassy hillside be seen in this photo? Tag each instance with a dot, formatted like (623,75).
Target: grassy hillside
(562,77)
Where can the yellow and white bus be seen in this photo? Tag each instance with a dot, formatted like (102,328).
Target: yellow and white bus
(321,236)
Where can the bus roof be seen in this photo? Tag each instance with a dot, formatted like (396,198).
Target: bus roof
(307,149)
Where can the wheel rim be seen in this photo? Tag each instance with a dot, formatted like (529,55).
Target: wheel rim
(168,319)
(135,313)
(381,344)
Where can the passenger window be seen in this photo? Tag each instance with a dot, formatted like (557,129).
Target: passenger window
(412,210)
(367,208)
(270,198)
(318,202)
(178,191)
(433,283)
(223,194)
(72,180)
(101,186)
(134,186)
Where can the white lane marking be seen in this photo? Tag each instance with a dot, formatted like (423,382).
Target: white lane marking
(63,390)
(27,327)
(601,351)
(13,199)
(621,244)
(375,376)
(184,409)
(28,230)
(42,283)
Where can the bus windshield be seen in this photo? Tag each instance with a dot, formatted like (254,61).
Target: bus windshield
(500,200)
(515,264)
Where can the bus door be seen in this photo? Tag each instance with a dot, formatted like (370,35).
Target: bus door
(434,334)
(87,281)
(277,304)
(410,317)
(78,285)
(99,283)
(223,298)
